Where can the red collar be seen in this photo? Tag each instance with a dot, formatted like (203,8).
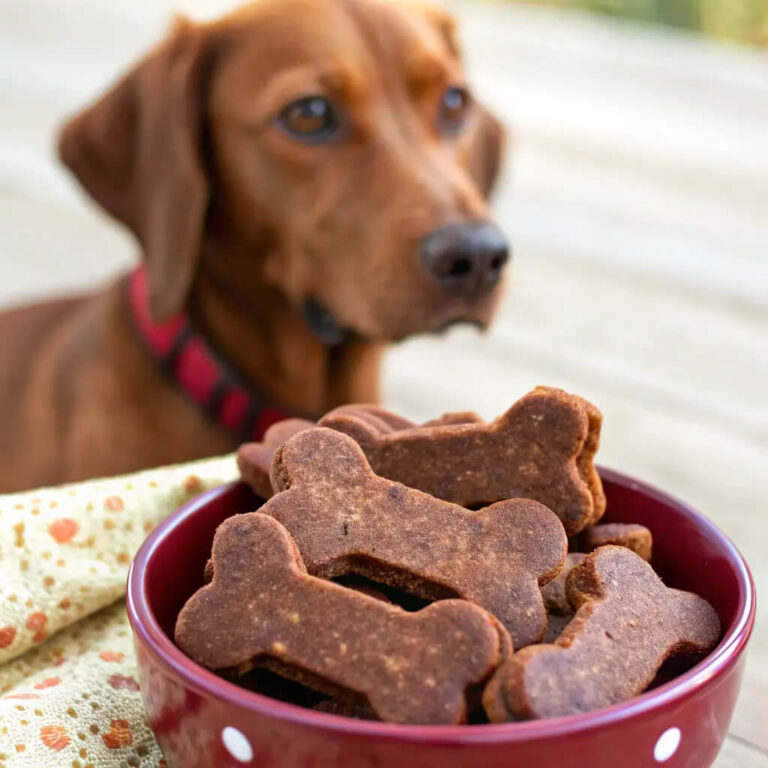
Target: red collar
(196,368)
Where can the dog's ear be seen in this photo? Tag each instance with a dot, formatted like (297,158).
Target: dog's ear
(486,152)
(137,151)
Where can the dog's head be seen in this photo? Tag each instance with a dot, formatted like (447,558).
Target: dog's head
(330,148)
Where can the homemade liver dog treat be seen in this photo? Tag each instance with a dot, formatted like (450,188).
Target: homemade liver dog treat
(345,519)
(555,598)
(263,608)
(319,598)
(255,459)
(559,610)
(542,448)
(630,535)
(586,460)
(386,422)
(627,623)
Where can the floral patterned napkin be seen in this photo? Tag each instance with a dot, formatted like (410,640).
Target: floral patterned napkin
(69,691)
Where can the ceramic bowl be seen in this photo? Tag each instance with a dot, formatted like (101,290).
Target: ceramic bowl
(203,721)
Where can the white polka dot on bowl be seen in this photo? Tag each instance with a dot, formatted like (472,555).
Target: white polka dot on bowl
(667,745)
(237,744)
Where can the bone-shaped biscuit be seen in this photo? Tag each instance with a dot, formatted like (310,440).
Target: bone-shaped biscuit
(385,422)
(262,606)
(631,535)
(542,448)
(627,623)
(255,459)
(586,459)
(345,519)
(559,610)
(554,593)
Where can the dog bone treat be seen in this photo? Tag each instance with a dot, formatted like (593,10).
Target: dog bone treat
(542,448)
(630,535)
(385,422)
(345,519)
(586,460)
(255,459)
(556,623)
(379,419)
(555,598)
(454,417)
(627,623)
(263,608)
(559,610)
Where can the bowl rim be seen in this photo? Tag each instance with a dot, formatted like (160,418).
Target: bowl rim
(147,629)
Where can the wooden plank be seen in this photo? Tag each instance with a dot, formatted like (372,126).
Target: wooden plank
(642,147)
(737,753)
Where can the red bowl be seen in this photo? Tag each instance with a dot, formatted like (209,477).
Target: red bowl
(202,721)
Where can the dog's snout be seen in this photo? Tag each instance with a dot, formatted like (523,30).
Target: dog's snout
(467,259)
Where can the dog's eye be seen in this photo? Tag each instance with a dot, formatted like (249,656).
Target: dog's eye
(311,118)
(453,109)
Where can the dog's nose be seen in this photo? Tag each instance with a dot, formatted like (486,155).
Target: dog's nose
(467,259)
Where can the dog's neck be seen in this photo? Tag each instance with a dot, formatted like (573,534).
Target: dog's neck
(271,344)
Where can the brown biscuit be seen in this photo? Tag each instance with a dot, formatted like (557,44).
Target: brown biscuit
(255,459)
(379,419)
(555,626)
(555,598)
(627,624)
(345,519)
(263,608)
(542,448)
(559,610)
(630,535)
(454,417)
(385,422)
(586,463)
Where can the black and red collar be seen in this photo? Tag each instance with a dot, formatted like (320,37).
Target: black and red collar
(199,370)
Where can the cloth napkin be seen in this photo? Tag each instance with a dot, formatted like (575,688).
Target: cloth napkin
(69,690)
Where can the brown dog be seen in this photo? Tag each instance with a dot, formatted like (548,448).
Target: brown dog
(307,180)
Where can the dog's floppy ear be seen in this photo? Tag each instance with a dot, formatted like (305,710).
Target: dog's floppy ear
(486,153)
(137,151)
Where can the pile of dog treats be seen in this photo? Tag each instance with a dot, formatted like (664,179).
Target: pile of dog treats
(421,573)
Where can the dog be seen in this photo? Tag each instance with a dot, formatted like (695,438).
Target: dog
(308,182)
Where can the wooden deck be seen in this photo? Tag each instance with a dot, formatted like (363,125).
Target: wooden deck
(637,200)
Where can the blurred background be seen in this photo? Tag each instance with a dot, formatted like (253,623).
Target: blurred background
(636,198)
(741,21)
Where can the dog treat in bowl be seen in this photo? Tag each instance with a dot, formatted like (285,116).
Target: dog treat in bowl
(542,448)
(630,535)
(345,519)
(386,422)
(559,610)
(261,607)
(626,625)
(367,588)
(255,459)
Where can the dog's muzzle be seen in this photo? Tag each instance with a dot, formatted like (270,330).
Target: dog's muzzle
(467,259)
